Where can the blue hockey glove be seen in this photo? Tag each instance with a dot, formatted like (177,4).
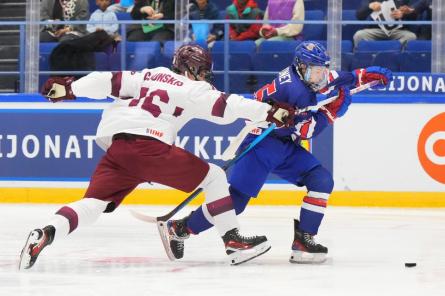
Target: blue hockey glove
(363,76)
(338,107)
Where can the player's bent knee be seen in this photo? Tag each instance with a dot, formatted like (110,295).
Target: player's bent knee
(240,200)
(215,174)
(319,179)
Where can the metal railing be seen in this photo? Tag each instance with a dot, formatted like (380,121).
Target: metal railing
(226,71)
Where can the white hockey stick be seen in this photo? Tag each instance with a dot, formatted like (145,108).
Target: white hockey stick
(230,152)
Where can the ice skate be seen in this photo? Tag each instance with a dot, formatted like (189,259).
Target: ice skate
(241,249)
(173,233)
(37,240)
(305,249)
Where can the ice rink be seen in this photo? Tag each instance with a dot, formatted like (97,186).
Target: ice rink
(123,256)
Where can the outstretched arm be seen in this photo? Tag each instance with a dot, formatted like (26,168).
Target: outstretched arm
(96,85)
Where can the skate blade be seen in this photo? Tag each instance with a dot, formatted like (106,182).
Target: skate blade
(243,256)
(163,232)
(307,258)
(25,257)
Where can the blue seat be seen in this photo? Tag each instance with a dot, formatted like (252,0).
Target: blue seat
(240,55)
(388,60)
(418,46)
(415,62)
(166,57)
(352,4)
(312,31)
(142,55)
(240,59)
(123,16)
(45,49)
(379,46)
(348,31)
(315,5)
(278,46)
(346,61)
(247,46)
(346,46)
(362,60)
(102,61)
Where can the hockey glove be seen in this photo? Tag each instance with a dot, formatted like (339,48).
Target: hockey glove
(281,114)
(58,88)
(337,108)
(363,76)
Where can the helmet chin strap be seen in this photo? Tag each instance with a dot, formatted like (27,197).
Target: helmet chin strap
(191,72)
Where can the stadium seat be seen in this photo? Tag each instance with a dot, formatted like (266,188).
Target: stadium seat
(240,59)
(388,60)
(346,46)
(415,62)
(45,49)
(348,31)
(142,55)
(240,55)
(362,60)
(312,31)
(346,60)
(123,16)
(379,46)
(278,46)
(418,46)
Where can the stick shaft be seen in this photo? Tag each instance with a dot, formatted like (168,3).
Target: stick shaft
(225,167)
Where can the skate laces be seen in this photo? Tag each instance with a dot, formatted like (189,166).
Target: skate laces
(178,230)
(309,238)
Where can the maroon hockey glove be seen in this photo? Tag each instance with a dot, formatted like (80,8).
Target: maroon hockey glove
(58,88)
(281,114)
(337,108)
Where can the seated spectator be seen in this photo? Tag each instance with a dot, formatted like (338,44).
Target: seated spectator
(421,9)
(244,10)
(63,10)
(152,10)
(104,14)
(122,6)
(206,10)
(282,10)
(376,33)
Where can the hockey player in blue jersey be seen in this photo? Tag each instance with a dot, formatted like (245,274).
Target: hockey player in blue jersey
(281,153)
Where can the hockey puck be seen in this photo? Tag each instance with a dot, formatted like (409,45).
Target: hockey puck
(410,264)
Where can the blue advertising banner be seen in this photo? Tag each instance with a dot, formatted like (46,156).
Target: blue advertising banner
(58,144)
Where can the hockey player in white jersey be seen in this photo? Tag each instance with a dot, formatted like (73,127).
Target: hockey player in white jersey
(138,132)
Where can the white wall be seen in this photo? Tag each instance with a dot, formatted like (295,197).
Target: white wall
(375,148)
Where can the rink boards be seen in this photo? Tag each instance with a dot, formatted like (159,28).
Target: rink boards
(387,151)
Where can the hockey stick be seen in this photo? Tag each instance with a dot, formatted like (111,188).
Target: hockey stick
(192,196)
(230,151)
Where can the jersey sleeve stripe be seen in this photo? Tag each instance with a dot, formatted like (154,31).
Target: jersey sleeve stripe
(116,82)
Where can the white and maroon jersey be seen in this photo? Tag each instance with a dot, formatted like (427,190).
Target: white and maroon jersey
(158,103)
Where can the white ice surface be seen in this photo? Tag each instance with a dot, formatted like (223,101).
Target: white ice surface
(122,256)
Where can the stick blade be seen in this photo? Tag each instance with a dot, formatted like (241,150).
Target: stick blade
(143,217)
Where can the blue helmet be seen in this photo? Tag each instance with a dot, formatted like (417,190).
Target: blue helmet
(311,53)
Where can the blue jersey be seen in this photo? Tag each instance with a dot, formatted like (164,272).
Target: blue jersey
(288,87)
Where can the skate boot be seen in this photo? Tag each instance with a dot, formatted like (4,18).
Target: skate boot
(305,249)
(37,240)
(241,249)
(173,233)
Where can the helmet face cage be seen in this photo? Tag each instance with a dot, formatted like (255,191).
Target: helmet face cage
(312,62)
(195,60)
